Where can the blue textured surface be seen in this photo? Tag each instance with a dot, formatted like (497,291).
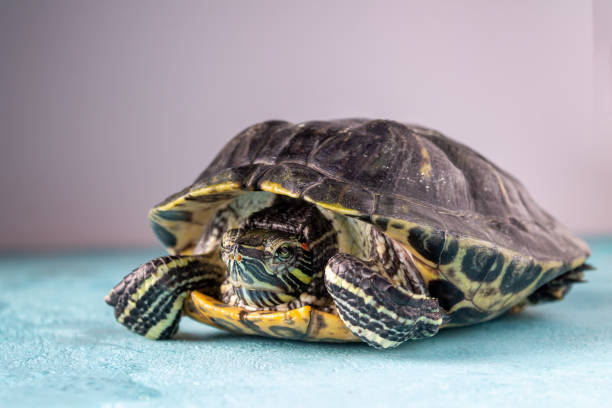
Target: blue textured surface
(60,346)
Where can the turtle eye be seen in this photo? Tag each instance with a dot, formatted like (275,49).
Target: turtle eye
(284,253)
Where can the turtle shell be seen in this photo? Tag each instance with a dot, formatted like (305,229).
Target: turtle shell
(480,241)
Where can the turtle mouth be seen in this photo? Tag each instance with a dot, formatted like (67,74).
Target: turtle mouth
(254,298)
(254,287)
(251,274)
(249,283)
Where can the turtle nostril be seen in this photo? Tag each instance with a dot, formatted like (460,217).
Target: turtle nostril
(234,254)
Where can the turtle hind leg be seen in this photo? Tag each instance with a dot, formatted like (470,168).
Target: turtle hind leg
(375,310)
(149,301)
(557,288)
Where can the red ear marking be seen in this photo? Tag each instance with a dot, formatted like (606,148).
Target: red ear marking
(305,246)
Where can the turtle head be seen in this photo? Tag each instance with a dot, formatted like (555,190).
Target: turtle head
(267,267)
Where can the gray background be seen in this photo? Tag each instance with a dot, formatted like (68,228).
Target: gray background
(108,107)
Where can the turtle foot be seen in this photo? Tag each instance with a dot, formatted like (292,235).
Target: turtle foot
(380,313)
(149,301)
(559,287)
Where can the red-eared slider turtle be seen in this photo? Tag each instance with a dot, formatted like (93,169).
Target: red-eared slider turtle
(347,230)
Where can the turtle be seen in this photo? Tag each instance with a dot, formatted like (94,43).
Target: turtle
(347,230)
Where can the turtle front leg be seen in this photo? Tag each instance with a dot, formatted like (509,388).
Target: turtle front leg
(380,313)
(149,301)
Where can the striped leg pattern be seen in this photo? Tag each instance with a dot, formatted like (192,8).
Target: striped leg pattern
(149,301)
(375,310)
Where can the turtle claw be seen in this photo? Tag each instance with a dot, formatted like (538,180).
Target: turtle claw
(112,297)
